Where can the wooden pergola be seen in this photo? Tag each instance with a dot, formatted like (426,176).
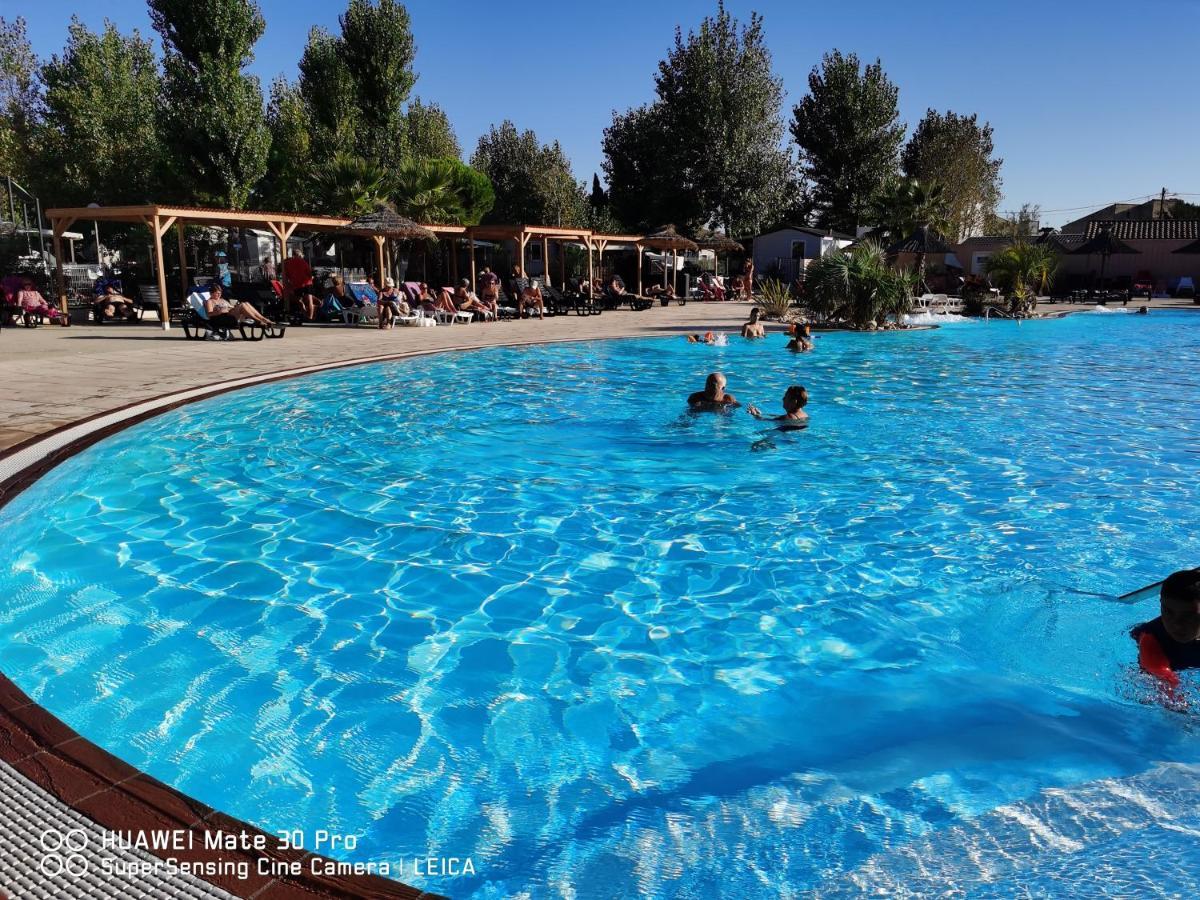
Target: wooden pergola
(160,218)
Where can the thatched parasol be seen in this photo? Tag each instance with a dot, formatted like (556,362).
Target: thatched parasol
(1193,248)
(1106,244)
(386,223)
(667,238)
(718,244)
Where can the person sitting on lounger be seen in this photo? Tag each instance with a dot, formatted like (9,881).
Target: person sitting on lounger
(795,398)
(113,306)
(466,300)
(801,341)
(224,314)
(531,296)
(710,288)
(1172,641)
(713,398)
(659,291)
(754,328)
(391,305)
(32,303)
(489,286)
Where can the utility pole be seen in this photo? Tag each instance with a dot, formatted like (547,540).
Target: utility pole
(1162,205)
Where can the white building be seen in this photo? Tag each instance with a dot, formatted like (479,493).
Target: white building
(785,251)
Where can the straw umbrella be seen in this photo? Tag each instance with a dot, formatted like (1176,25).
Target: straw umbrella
(383,224)
(719,243)
(1106,244)
(922,241)
(667,238)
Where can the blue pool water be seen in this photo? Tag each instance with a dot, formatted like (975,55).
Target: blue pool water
(516,605)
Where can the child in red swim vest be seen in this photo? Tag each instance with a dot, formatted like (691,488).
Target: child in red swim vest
(1172,641)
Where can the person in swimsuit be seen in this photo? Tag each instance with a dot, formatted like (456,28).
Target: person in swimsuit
(713,398)
(801,341)
(223,314)
(754,328)
(795,398)
(1172,641)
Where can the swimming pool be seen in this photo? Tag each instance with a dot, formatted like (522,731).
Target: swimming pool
(515,605)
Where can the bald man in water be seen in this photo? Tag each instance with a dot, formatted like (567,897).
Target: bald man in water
(713,398)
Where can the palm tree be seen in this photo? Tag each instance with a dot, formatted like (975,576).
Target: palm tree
(350,185)
(905,204)
(1023,270)
(858,285)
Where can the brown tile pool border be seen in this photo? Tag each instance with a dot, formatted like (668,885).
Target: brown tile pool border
(116,795)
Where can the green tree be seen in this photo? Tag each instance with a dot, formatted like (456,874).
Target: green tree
(849,135)
(532,182)
(349,185)
(905,204)
(97,139)
(442,190)
(956,151)
(426,133)
(858,285)
(1023,271)
(1023,223)
(326,86)
(645,187)
(378,50)
(708,149)
(211,115)
(18,96)
(287,184)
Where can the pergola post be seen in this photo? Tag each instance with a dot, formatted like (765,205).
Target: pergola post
(639,254)
(183,275)
(546,260)
(378,238)
(59,281)
(454,261)
(674,269)
(562,265)
(160,229)
(591,272)
(471,248)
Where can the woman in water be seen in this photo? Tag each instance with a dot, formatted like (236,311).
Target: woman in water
(795,398)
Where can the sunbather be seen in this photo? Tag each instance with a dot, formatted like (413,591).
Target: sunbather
(795,398)
(466,300)
(224,314)
(32,303)
(113,306)
(659,291)
(531,296)
(391,305)
(713,398)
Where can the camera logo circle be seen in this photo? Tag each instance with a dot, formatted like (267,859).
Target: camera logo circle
(63,854)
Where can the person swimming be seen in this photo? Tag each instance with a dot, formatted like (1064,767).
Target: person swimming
(795,398)
(1172,641)
(801,341)
(707,338)
(713,398)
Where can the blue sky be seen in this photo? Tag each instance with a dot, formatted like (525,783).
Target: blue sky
(1091,102)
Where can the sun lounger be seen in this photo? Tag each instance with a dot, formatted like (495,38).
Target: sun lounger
(196,326)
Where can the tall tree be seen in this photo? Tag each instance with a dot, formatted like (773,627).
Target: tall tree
(356,85)
(645,187)
(211,115)
(532,182)
(378,51)
(97,139)
(957,152)
(442,190)
(18,96)
(849,135)
(708,150)
(426,133)
(905,204)
(287,184)
(1023,223)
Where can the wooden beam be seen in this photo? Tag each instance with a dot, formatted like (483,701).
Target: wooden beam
(591,272)
(471,247)
(60,282)
(639,253)
(454,262)
(163,310)
(379,241)
(562,265)
(180,232)
(161,225)
(60,225)
(546,260)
